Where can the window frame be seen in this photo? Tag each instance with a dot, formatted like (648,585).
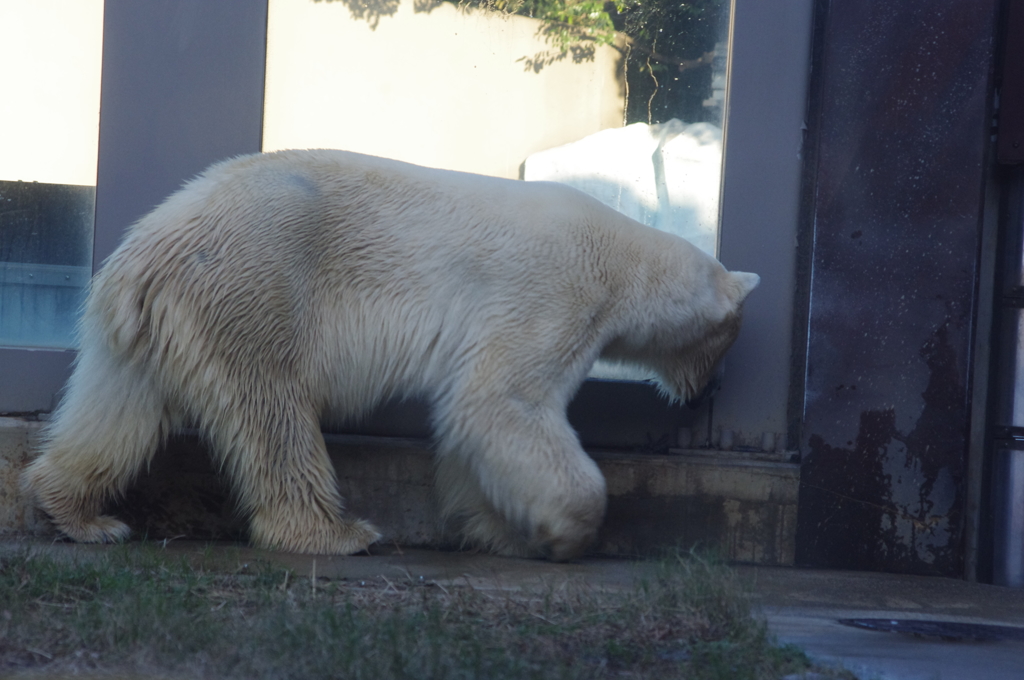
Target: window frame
(181,87)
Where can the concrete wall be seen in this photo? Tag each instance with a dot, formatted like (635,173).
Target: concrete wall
(441,86)
(744,509)
(18,440)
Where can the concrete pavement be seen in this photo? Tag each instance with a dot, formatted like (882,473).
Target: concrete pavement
(804,608)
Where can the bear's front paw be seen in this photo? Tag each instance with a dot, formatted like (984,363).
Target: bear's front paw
(566,533)
(565,548)
(100,529)
(544,544)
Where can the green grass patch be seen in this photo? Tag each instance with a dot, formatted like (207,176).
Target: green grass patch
(135,612)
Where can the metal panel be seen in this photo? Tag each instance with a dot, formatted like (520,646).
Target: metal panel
(902,128)
(768,77)
(1009,379)
(182,88)
(30,380)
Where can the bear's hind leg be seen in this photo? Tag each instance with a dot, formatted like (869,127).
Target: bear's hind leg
(286,483)
(108,426)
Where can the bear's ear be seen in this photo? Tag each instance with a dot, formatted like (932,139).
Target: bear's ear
(741,283)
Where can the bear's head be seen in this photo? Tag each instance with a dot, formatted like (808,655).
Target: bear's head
(711,323)
(686,322)
(689,317)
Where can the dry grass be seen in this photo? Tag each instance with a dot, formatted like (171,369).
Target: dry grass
(134,613)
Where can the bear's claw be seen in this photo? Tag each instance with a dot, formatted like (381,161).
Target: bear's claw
(101,529)
(345,537)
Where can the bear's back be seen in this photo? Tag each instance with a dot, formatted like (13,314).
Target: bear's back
(282,246)
(376,222)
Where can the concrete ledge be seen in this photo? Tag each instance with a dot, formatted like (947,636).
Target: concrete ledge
(746,510)
(18,442)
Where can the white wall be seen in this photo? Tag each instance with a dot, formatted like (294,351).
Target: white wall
(447,88)
(50,102)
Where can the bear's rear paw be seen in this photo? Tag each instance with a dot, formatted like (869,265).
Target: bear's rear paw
(354,536)
(343,537)
(100,529)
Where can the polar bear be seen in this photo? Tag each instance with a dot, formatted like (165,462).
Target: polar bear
(277,289)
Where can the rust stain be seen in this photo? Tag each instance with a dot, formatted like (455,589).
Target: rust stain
(893,500)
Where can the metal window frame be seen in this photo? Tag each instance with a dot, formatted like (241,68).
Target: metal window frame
(182,87)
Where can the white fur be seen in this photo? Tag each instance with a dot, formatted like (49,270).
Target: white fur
(276,290)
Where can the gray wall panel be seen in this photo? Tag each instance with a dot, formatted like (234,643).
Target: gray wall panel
(768,80)
(182,88)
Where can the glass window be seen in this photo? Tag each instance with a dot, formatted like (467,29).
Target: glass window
(48,150)
(623,101)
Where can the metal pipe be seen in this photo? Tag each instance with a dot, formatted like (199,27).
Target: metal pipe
(1008,497)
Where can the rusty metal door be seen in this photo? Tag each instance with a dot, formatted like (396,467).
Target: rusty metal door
(900,135)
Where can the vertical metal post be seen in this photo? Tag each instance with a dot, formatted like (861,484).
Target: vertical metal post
(1008,494)
(1007,468)
(182,87)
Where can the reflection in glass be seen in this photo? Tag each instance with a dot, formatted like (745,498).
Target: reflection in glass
(45,251)
(49,129)
(664,167)
(489,88)
(665,175)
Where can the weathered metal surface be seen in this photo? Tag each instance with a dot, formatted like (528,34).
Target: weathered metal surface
(901,127)
(1005,481)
